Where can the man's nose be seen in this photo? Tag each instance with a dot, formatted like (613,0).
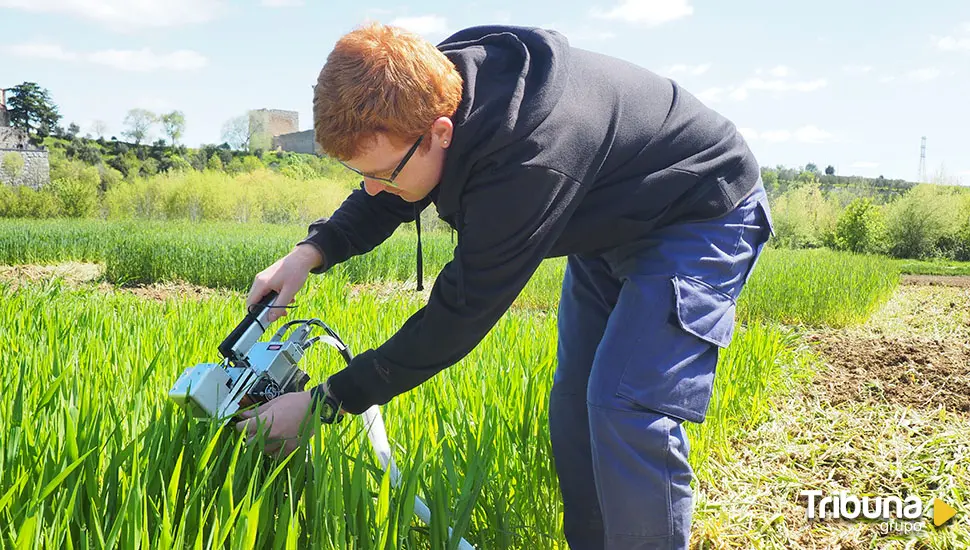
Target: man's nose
(373,187)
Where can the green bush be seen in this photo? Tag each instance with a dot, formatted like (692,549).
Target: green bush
(215,163)
(924,222)
(251,163)
(179,164)
(109,177)
(962,249)
(12,164)
(861,227)
(25,202)
(78,197)
(804,218)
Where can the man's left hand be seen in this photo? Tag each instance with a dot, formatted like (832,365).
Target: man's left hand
(285,421)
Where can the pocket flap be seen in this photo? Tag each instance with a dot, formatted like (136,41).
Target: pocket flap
(704,311)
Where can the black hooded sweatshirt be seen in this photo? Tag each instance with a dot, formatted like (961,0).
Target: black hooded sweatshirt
(555,151)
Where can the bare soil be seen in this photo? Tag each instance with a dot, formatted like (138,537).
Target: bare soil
(962,281)
(914,352)
(917,372)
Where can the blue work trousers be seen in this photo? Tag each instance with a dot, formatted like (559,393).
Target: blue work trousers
(640,329)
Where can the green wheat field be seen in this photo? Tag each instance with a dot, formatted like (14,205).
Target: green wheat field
(94,455)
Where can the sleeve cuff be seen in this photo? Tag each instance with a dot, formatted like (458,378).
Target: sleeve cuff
(327,240)
(323,267)
(355,387)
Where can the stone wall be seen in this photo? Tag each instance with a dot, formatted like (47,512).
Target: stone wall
(13,138)
(297,142)
(34,170)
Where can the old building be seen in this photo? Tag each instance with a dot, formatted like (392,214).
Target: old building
(20,162)
(297,142)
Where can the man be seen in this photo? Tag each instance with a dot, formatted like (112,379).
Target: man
(531,149)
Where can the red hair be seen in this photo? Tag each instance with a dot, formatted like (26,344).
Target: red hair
(381,78)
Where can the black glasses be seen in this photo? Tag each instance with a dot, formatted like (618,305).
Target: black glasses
(400,166)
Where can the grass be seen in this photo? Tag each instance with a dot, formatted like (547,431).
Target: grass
(933,267)
(95,453)
(73,467)
(818,287)
(811,287)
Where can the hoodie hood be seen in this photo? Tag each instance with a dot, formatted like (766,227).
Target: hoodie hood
(513,78)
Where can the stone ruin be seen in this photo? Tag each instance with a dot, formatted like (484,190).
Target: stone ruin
(20,162)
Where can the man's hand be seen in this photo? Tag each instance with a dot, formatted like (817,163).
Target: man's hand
(285,421)
(286,277)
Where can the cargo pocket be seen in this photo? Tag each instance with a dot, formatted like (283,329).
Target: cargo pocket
(704,311)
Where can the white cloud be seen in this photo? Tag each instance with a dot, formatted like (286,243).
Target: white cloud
(739,94)
(784,85)
(711,95)
(143,60)
(923,75)
(954,43)
(812,134)
(780,84)
(650,13)
(40,50)
(776,136)
(805,134)
(423,24)
(950,44)
(864,164)
(749,133)
(694,70)
(857,69)
(127,15)
(282,3)
(780,71)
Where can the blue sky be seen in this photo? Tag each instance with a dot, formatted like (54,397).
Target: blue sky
(844,82)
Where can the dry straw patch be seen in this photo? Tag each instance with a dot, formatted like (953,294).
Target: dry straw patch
(81,274)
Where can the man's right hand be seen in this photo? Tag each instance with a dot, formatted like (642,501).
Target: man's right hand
(286,277)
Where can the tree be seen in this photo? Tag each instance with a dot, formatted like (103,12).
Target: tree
(99,128)
(238,132)
(73,130)
(811,167)
(174,125)
(830,170)
(138,123)
(32,110)
(860,227)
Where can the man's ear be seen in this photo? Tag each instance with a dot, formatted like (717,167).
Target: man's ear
(442,129)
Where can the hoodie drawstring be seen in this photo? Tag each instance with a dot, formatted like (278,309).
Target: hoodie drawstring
(417,225)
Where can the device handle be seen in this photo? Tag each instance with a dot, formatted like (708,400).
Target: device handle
(248,330)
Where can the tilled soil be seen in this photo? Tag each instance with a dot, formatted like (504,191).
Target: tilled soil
(911,371)
(936,280)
